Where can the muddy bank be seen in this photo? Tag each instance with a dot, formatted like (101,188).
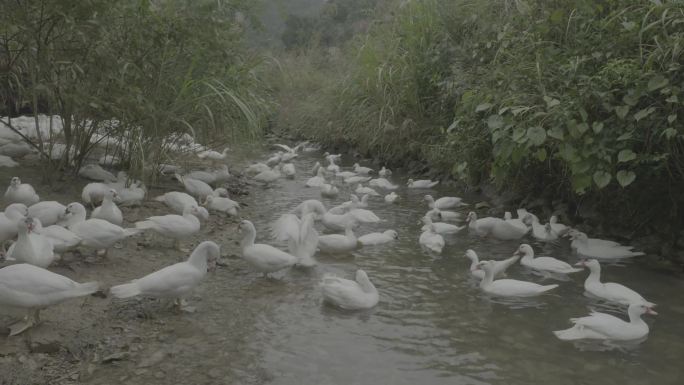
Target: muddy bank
(98,340)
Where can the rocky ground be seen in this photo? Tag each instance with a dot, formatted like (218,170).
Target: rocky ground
(99,340)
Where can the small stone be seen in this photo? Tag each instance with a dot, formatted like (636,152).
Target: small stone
(120,356)
(153,359)
(214,373)
(140,372)
(159,375)
(44,343)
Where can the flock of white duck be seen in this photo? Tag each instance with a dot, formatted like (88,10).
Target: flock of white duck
(43,230)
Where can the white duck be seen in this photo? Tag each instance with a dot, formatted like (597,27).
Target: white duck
(360,189)
(391,197)
(257,168)
(132,195)
(348,294)
(96,172)
(222,174)
(30,247)
(205,176)
(18,192)
(33,288)
(300,235)
(48,212)
(177,200)
(422,183)
(214,155)
(289,170)
(311,206)
(195,187)
(444,203)
(362,170)
(345,174)
(338,243)
(329,191)
(356,179)
(509,287)
(337,222)
(109,211)
(364,216)
(315,168)
(224,205)
(481,226)
(9,220)
(600,249)
(261,257)
(332,167)
(444,215)
(384,172)
(613,292)
(440,227)
(175,281)
(602,326)
(94,233)
(318,180)
(382,183)
(172,225)
(93,193)
(558,227)
(550,264)
(62,238)
(269,176)
(500,267)
(543,233)
(431,240)
(373,239)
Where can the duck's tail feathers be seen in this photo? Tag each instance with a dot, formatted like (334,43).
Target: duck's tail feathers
(143,225)
(571,334)
(84,289)
(549,287)
(126,290)
(131,231)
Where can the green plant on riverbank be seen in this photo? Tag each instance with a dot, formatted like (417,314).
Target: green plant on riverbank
(576,100)
(156,68)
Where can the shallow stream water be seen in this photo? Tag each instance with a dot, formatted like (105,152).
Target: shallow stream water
(433,325)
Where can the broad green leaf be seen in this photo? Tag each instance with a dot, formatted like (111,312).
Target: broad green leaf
(597,127)
(626,155)
(556,132)
(631,99)
(541,154)
(483,107)
(656,82)
(621,111)
(582,127)
(602,178)
(625,178)
(625,136)
(536,135)
(519,135)
(670,132)
(551,102)
(583,114)
(643,113)
(580,183)
(519,110)
(495,122)
(672,99)
(671,118)
(628,25)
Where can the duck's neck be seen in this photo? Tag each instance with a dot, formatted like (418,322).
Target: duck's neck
(488,278)
(248,238)
(107,203)
(199,257)
(473,262)
(527,258)
(349,232)
(366,285)
(635,317)
(75,218)
(594,275)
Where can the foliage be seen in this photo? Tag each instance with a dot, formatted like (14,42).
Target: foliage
(154,68)
(579,100)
